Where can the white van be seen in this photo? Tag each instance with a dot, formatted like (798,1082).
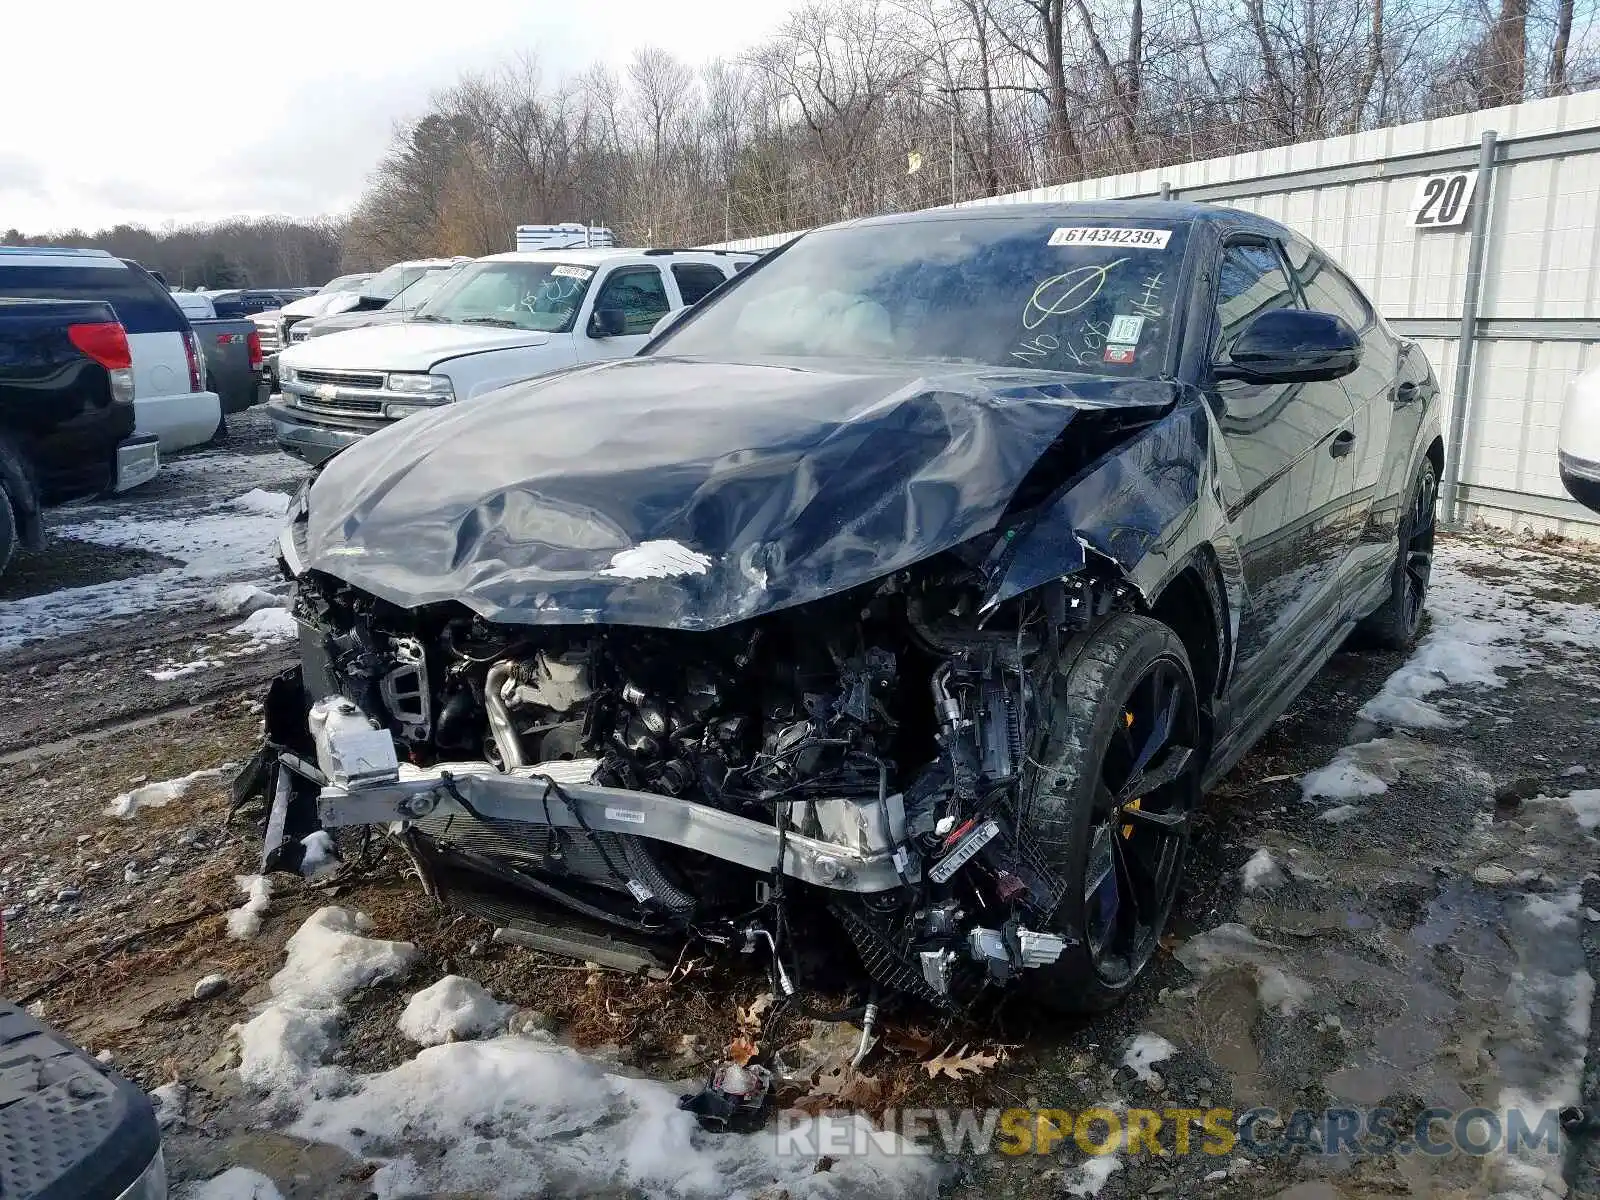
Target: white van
(499,319)
(170,398)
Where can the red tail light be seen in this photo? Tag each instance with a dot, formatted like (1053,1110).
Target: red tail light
(253,341)
(191,350)
(104,341)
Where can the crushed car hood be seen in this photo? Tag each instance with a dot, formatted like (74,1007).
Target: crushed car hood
(684,494)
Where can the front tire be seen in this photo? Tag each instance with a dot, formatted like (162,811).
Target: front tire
(1115,779)
(1394,625)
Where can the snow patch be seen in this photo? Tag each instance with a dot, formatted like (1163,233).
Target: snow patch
(657,560)
(242,599)
(212,547)
(1340,813)
(169,670)
(450,1010)
(265,503)
(157,795)
(282,1047)
(1342,779)
(1262,873)
(1144,1052)
(515,1116)
(1553,914)
(1089,1177)
(268,626)
(244,922)
(1585,806)
(320,857)
(1232,945)
(236,1183)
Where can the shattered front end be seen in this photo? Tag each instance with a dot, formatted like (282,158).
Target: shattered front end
(861,756)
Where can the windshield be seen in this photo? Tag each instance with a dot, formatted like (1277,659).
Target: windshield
(1060,293)
(542,296)
(419,290)
(391,281)
(344,283)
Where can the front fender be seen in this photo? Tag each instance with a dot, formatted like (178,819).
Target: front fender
(476,375)
(1150,506)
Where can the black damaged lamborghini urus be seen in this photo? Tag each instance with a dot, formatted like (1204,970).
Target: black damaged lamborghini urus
(916,584)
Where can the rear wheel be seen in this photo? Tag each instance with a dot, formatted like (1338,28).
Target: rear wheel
(1116,782)
(1394,625)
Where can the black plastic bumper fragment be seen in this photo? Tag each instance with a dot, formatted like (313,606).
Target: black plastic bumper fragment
(70,1128)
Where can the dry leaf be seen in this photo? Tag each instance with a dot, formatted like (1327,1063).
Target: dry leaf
(751,1019)
(845,1083)
(742,1050)
(959,1064)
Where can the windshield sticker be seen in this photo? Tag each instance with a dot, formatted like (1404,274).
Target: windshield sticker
(1119,354)
(1105,235)
(566,272)
(1066,293)
(1125,329)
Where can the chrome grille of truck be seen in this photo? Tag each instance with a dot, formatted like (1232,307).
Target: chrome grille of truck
(348,379)
(342,406)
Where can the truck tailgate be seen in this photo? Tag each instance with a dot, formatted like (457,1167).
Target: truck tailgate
(226,346)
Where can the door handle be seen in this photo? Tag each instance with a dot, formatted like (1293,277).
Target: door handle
(1406,393)
(1342,443)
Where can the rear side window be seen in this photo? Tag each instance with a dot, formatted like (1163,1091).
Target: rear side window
(141,304)
(1327,289)
(695,280)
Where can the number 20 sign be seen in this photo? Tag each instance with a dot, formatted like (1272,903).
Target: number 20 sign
(1442,200)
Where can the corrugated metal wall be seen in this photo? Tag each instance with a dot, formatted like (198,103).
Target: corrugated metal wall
(1539,310)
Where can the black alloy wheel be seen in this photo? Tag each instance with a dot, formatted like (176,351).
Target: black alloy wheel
(1396,623)
(1112,801)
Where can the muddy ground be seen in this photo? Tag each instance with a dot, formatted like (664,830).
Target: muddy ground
(1406,925)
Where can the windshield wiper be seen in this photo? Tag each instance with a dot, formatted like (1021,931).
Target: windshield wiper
(429,317)
(499,322)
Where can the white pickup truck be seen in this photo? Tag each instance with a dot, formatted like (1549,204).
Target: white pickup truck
(503,318)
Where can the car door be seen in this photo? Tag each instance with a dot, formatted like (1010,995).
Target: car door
(640,295)
(1284,470)
(1375,502)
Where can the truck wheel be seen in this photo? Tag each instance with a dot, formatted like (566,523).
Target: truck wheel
(1116,778)
(8,530)
(1394,625)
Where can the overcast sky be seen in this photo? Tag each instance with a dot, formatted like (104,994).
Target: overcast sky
(183,110)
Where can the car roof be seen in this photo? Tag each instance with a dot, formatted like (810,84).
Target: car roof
(596,255)
(58,256)
(1226,219)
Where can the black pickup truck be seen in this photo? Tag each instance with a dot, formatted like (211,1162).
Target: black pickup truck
(66,413)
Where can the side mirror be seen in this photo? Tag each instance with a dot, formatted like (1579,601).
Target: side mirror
(607,322)
(1291,345)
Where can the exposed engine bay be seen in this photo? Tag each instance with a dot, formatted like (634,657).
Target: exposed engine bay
(858,761)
